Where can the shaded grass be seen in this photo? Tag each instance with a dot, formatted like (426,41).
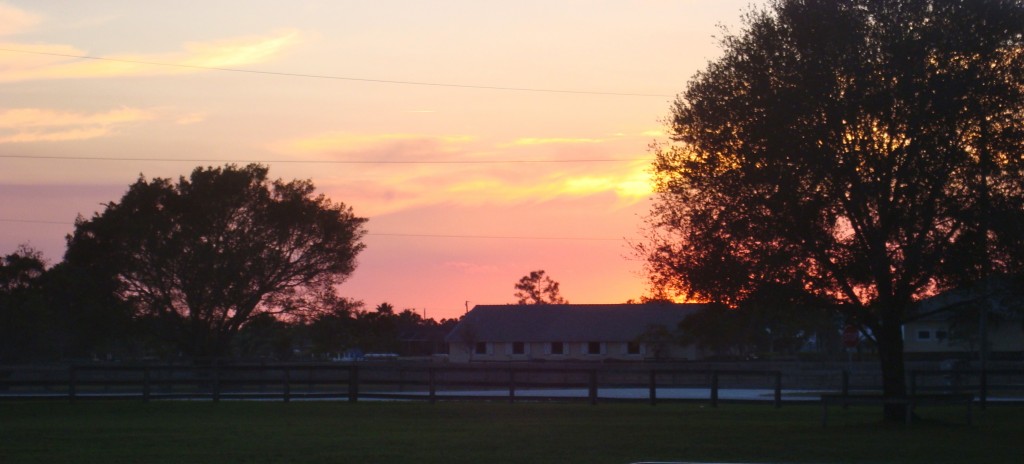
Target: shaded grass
(400,432)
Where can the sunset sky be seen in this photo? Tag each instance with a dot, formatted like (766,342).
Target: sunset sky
(483,140)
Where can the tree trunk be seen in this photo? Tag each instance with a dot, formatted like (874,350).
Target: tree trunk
(890,355)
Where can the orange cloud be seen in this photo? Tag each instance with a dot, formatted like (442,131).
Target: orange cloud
(236,52)
(550,141)
(460,170)
(189,119)
(628,183)
(335,143)
(470,268)
(40,61)
(25,125)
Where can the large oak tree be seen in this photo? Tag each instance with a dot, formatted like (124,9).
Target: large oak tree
(870,152)
(201,257)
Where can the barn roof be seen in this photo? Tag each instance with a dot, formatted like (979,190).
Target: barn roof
(566,323)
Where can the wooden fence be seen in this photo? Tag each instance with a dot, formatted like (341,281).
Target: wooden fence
(982,383)
(356,381)
(435,382)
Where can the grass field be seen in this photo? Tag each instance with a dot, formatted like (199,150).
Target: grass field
(480,432)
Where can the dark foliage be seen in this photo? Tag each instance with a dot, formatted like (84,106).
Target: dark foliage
(866,151)
(200,258)
(538,288)
(23,312)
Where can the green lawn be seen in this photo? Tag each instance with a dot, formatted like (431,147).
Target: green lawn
(479,432)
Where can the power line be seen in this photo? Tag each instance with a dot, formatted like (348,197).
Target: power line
(389,234)
(307,161)
(341,78)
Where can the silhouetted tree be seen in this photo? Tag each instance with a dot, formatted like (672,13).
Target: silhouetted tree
(205,255)
(717,329)
(332,331)
(538,288)
(89,320)
(21,269)
(385,308)
(782,319)
(24,319)
(659,340)
(868,151)
(375,331)
(267,337)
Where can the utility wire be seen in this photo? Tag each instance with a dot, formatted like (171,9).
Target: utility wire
(197,160)
(339,78)
(386,234)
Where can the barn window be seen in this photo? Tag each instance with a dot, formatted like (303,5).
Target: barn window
(480,348)
(518,348)
(924,334)
(632,348)
(594,348)
(557,348)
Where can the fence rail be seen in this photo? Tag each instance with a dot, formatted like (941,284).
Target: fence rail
(981,382)
(433,382)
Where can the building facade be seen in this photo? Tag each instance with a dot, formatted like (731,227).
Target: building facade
(621,332)
(952,323)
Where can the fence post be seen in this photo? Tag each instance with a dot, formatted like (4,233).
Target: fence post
(353,383)
(145,384)
(593,387)
(511,385)
(72,380)
(216,381)
(846,388)
(913,383)
(432,381)
(714,389)
(653,385)
(287,384)
(778,389)
(984,388)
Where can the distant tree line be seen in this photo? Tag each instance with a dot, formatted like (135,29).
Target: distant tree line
(54,314)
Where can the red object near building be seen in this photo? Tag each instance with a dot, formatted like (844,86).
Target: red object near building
(851,336)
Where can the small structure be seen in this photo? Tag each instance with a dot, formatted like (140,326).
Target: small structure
(961,320)
(619,332)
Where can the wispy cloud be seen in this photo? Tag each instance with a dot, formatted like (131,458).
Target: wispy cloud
(189,119)
(375,147)
(15,21)
(236,52)
(627,183)
(41,61)
(39,117)
(470,268)
(551,141)
(492,174)
(23,125)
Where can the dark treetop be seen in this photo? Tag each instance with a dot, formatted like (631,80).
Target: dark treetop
(202,256)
